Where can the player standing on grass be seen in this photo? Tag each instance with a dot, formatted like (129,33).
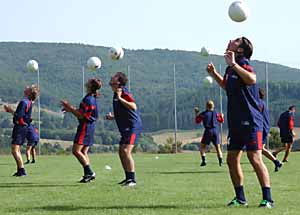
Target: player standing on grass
(287,134)
(210,120)
(266,131)
(245,121)
(32,141)
(22,122)
(129,123)
(87,115)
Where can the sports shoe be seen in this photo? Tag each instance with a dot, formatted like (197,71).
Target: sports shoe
(203,163)
(221,164)
(278,166)
(19,174)
(237,203)
(88,178)
(27,162)
(266,204)
(122,182)
(130,183)
(33,161)
(285,161)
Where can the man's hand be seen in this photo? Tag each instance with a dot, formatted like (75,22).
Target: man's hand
(66,105)
(8,109)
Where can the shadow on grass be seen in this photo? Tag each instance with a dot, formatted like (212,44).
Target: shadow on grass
(62,208)
(190,172)
(28,184)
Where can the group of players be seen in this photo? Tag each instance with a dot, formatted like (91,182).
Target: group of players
(125,114)
(248,123)
(247,116)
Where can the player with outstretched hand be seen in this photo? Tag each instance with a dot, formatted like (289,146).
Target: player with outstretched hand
(87,115)
(211,120)
(129,124)
(245,121)
(22,121)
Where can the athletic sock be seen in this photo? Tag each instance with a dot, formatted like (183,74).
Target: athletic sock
(87,170)
(220,160)
(203,158)
(266,191)
(239,192)
(131,175)
(276,162)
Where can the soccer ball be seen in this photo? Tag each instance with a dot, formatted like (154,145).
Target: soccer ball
(238,11)
(116,53)
(204,52)
(32,66)
(93,63)
(208,80)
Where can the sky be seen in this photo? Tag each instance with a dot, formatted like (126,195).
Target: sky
(272,26)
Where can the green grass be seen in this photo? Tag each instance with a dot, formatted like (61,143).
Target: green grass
(172,184)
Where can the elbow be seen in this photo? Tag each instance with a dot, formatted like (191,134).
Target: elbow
(134,107)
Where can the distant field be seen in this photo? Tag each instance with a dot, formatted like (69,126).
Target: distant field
(171,184)
(185,137)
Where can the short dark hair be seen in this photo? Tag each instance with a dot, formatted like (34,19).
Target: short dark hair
(292,107)
(96,84)
(261,93)
(121,78)
(247,46)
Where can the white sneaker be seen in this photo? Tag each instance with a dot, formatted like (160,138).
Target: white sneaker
(130,183)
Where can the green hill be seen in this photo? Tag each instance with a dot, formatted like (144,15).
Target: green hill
(151,74)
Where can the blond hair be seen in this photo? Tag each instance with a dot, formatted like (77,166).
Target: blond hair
(34,92)
(210,105)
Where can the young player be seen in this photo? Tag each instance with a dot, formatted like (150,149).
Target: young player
(245,121)
(87,114)
(129,123)
(21,120)
(210,120)
(32,141)
(287,134)
(266,131)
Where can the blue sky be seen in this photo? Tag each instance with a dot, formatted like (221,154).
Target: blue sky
(272,26)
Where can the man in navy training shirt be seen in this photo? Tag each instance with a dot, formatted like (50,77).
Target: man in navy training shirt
(22,120)
(87,115)
(211,120)
(245,121)
(129,124)
(287,134)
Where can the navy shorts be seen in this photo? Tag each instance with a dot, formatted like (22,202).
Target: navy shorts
(249,139)
(32,136)
(85,134)
(130,138)
(19,134)
(287,139)
(210,135)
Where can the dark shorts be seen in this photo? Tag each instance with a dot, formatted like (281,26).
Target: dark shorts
(248,139)
(19,134)
(210,135)
(287,139)
(32,136)
(85,134)
(130,138)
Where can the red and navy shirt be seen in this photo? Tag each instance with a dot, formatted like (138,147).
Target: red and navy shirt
(210,119)
(22,115)
(243,100)
(89,108)
(266,118)
(127,120)
(286,123)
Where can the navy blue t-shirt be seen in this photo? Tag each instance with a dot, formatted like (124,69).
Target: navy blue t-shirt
(286,123)
(210,119)
(266,118)
(89,108)
(243,100)
(127,120)
(22,115)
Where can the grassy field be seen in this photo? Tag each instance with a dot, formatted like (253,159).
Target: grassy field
(171,184)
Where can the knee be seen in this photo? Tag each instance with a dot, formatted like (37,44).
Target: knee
(75,152)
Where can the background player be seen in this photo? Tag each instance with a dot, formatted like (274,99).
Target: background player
(210,120)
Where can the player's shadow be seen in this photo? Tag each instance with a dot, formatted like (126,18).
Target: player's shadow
(62,208)
(191,172)
(33,185)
